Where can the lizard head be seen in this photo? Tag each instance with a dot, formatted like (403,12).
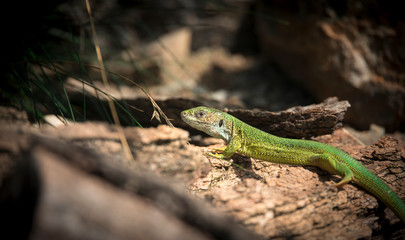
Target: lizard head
(211,121)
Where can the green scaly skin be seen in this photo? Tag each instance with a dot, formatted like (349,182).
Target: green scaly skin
(251,142)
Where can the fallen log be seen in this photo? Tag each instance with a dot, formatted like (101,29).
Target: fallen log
(67,192)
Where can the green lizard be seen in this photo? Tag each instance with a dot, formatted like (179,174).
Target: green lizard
(249,141)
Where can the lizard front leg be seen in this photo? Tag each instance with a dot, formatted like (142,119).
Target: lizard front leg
(225,152)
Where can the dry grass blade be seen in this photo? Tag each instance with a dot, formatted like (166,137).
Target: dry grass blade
(157,111)
(123,139)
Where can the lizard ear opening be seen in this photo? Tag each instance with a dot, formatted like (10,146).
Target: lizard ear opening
(221,122)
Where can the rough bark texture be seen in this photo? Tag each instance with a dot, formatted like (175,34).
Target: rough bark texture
(75,193)
(71,183)
(353,50)
(298,122)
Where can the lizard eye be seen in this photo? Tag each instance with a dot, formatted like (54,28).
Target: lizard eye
(200,114)
(221,122)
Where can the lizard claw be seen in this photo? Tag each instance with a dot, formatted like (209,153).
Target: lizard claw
(218,150)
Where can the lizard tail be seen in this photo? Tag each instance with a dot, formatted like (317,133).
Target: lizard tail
(382,191)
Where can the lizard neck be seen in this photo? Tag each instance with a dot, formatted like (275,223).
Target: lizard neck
(228,130)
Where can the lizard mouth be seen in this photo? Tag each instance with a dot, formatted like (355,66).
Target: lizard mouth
(185,117)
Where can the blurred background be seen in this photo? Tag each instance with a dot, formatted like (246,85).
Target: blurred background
(269,55)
